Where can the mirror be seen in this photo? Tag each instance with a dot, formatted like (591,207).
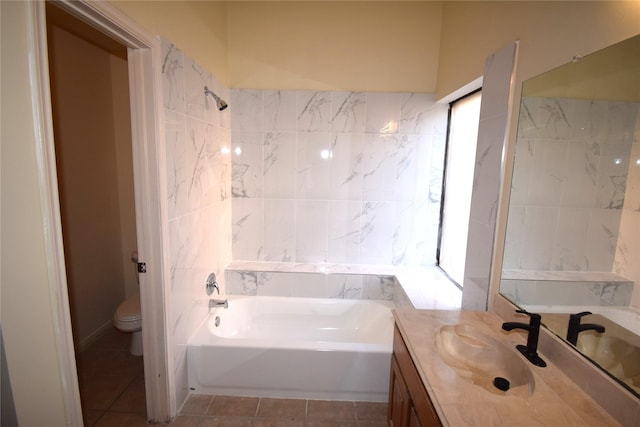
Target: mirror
(573,230)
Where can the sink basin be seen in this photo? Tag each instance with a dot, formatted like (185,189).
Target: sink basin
(484,360)
(614,354)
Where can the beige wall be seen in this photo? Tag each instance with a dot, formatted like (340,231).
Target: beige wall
(88,176)
(27,312)
(373,46)
(385,46)
(199,28)
(356,46)
(610,74)
(550,34)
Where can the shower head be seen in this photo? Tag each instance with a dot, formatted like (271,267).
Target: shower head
(219,102)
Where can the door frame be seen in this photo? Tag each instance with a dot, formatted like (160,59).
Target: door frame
(145,91)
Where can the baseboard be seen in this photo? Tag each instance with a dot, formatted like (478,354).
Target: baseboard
(93,337)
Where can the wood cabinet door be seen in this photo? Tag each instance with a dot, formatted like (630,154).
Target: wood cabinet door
(399,401)
(413,418)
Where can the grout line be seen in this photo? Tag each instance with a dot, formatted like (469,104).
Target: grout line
(206,411)
(255,415)
(97,420)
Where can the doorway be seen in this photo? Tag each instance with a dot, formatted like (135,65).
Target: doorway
(92,131)
(143,52)
(88,75)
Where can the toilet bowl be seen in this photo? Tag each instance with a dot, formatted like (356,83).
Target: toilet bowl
(128,318)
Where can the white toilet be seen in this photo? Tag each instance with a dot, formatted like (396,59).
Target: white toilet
(128,318)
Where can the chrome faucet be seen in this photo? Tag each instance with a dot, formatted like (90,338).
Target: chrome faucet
(530,351)
(210,285)
(575,327)
(218,303)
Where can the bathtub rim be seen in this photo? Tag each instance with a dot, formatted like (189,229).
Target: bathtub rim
(202,337)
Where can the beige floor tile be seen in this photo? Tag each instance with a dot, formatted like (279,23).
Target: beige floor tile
(90,417)
(133,398)
(371,411)
(196,404)
(185,421)
(122,419)
(331,410)
(226,422)
(330,423)
(109,362)
(232,406)
(277,422)
(282,408)
(98,393)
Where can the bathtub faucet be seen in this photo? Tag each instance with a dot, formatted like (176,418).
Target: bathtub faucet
(218,303)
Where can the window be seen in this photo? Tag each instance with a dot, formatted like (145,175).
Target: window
(460,154)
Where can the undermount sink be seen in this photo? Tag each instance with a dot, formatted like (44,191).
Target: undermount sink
(484,360)
(616,355)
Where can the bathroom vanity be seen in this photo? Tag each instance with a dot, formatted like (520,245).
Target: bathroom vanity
(444,369)
(409,402)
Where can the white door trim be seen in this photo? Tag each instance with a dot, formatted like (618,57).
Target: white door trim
(145,86)
(45,154)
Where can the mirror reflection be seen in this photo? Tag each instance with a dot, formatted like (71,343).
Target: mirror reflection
(572,248)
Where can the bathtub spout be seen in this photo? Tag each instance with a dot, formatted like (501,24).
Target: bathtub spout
(218,303)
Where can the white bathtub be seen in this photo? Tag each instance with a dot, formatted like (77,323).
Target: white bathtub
(294,347)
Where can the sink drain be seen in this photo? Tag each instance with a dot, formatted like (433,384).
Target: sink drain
(501,383)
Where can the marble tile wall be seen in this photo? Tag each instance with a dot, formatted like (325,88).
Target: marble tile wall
(567,293)
(311,285)
(572,166)
(337,177)
(487,175)
(198,167)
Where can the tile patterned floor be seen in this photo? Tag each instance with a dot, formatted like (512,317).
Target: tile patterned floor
(111,383)
(210,411)
(113,395)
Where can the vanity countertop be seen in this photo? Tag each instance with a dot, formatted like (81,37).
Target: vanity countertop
(555,401)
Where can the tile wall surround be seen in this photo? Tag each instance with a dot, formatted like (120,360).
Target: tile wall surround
(336,177)
(407,286)
(197,136)
(487,175)
(566,288)
(572,163)
(575,195)
(311,285)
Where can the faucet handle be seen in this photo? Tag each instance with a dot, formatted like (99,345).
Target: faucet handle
(581,314)
(211,284)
